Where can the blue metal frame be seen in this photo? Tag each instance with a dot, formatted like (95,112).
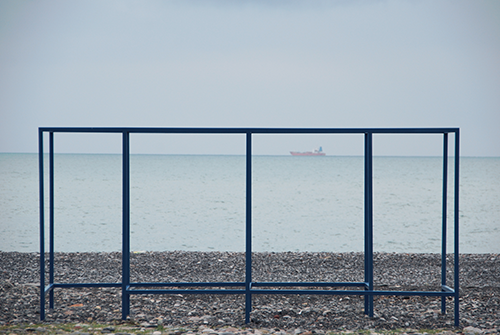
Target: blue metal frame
(249,287)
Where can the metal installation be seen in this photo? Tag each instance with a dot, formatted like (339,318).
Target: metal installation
(249,287)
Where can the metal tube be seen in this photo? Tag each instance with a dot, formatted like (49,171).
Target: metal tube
(42,224)
(172,130)
(369,222)
(309,284)
(248,242)
(184,284)
(125,226)
(49,288)
(444,218)
(366,218)
(187,291)
(51,217)
(242,284)
(370,219)
(285,292)
(446,288)
(456,219)
(70,285)
(359,292)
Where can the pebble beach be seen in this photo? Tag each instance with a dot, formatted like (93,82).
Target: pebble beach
(98,310)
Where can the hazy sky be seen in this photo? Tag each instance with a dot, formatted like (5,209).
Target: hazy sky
(250,64)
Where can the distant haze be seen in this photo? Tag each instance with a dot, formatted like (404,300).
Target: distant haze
(256,63)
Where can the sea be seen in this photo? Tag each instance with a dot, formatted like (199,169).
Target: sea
(197,203)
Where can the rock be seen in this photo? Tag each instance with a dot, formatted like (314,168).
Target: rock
(76,306)
(472,330)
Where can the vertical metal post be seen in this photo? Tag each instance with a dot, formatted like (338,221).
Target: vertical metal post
(369,222)
(248,242)
(456,218)
(444,219)
(51,218)
(42,225)
(126,227)
(366,219)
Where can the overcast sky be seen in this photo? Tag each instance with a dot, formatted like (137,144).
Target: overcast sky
(250,64)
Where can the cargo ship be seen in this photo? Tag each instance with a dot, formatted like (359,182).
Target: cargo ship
(315,152)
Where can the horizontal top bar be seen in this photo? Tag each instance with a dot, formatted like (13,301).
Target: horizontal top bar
(249,130)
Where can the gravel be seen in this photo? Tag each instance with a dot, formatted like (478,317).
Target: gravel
(479,291)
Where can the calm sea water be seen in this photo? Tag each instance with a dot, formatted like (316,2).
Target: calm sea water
(299,203)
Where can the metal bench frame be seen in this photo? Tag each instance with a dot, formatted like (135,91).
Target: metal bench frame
(249,287)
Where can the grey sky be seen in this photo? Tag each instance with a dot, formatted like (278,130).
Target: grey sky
(250,64)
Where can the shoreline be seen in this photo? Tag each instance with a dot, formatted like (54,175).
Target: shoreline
(479,290)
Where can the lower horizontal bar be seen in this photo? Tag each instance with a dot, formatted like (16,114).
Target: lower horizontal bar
(221,284)
(254,284)
(186,291)
(310,284)
(412,293)
(348,292)
(65,285)
(447,290)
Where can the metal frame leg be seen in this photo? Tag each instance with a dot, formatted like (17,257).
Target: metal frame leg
(126,227)
(42,225)
(248,236)
(444,220)
(369,222)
